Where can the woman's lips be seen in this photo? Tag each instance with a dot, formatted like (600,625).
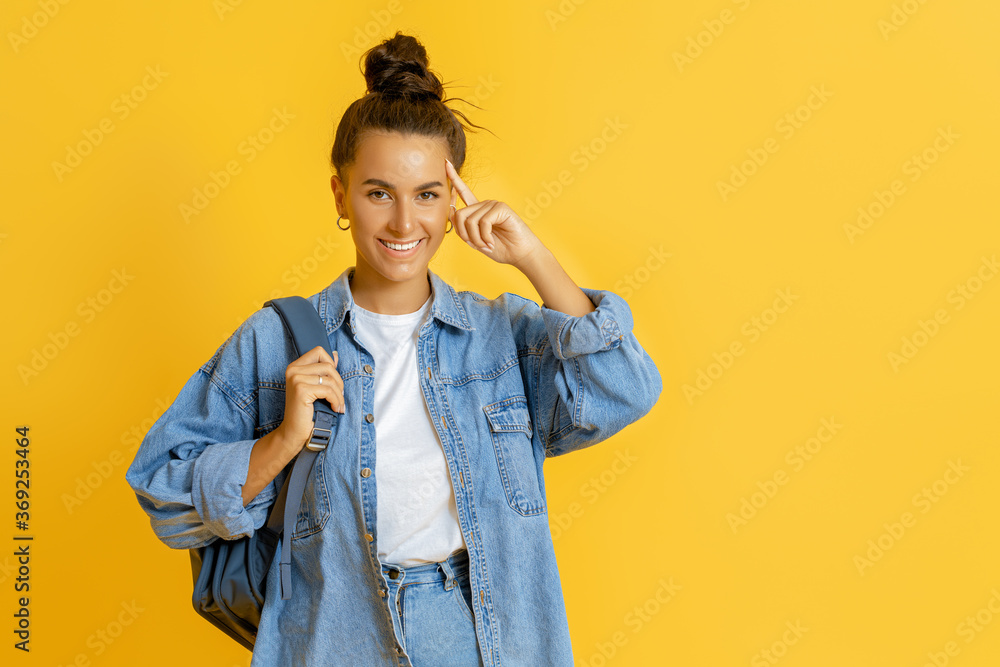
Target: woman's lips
(400,253)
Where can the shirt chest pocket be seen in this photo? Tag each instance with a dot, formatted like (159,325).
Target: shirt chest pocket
(510,430)
(314,511)
(314,508)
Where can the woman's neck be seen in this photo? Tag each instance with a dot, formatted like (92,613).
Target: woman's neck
(378,295)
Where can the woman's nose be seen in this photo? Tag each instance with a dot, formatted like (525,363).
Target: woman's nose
(403,219)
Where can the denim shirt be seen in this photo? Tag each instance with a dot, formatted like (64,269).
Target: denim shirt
(507,384)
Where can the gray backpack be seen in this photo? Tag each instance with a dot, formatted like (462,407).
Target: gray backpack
(230,575)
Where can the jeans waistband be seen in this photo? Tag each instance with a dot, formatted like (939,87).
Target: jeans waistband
(456,565)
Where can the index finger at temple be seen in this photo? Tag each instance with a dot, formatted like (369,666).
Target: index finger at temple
(463,190)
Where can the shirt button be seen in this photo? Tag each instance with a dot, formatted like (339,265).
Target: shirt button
(368,368)
(399,650)
(366,472)
(381,593)
(369,418)
(369,537)
(394,574)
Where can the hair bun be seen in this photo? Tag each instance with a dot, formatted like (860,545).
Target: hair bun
(399,67)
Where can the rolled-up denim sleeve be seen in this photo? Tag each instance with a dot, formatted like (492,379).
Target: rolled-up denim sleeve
(588,376)
(189,471)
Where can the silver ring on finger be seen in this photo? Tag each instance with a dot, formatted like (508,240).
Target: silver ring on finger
(320,379)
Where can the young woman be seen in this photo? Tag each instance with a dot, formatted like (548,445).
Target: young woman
(423,536)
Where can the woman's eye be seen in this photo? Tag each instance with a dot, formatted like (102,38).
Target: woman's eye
(378,192)
(433,195)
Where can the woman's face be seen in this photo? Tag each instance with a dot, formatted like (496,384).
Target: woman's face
(397,193)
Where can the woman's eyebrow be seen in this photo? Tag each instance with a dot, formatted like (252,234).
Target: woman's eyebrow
(423,186)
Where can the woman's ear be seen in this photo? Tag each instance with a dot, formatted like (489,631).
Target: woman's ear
(339,192)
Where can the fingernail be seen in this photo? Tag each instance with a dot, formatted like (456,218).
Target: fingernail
(487,249)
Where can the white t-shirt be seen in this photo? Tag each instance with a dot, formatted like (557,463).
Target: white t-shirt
(417,518)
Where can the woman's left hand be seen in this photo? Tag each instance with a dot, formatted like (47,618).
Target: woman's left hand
(491,226)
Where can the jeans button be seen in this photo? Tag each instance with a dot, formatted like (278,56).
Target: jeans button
(394,574)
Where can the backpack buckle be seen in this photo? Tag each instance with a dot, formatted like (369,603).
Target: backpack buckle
(322,431)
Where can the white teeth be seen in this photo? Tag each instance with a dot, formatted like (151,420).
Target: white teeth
(396,246)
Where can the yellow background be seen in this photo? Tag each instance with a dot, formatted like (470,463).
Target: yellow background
(550,78)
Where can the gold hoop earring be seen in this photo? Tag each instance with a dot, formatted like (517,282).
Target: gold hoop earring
(449,228)
(449,219)
(342,228)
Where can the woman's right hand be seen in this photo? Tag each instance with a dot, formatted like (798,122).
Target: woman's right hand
(303,388)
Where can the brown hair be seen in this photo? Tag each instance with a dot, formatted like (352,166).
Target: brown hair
(405,96)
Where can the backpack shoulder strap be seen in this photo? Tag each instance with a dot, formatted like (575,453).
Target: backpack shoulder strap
(302,322)
(307,331)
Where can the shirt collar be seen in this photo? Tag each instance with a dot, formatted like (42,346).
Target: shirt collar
(336,301)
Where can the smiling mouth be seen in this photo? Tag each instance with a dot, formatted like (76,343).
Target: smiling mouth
(400,246)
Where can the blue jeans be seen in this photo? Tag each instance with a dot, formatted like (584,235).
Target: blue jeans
(431,607)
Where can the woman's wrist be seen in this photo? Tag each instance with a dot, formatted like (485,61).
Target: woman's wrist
(553,284)
(270,454)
